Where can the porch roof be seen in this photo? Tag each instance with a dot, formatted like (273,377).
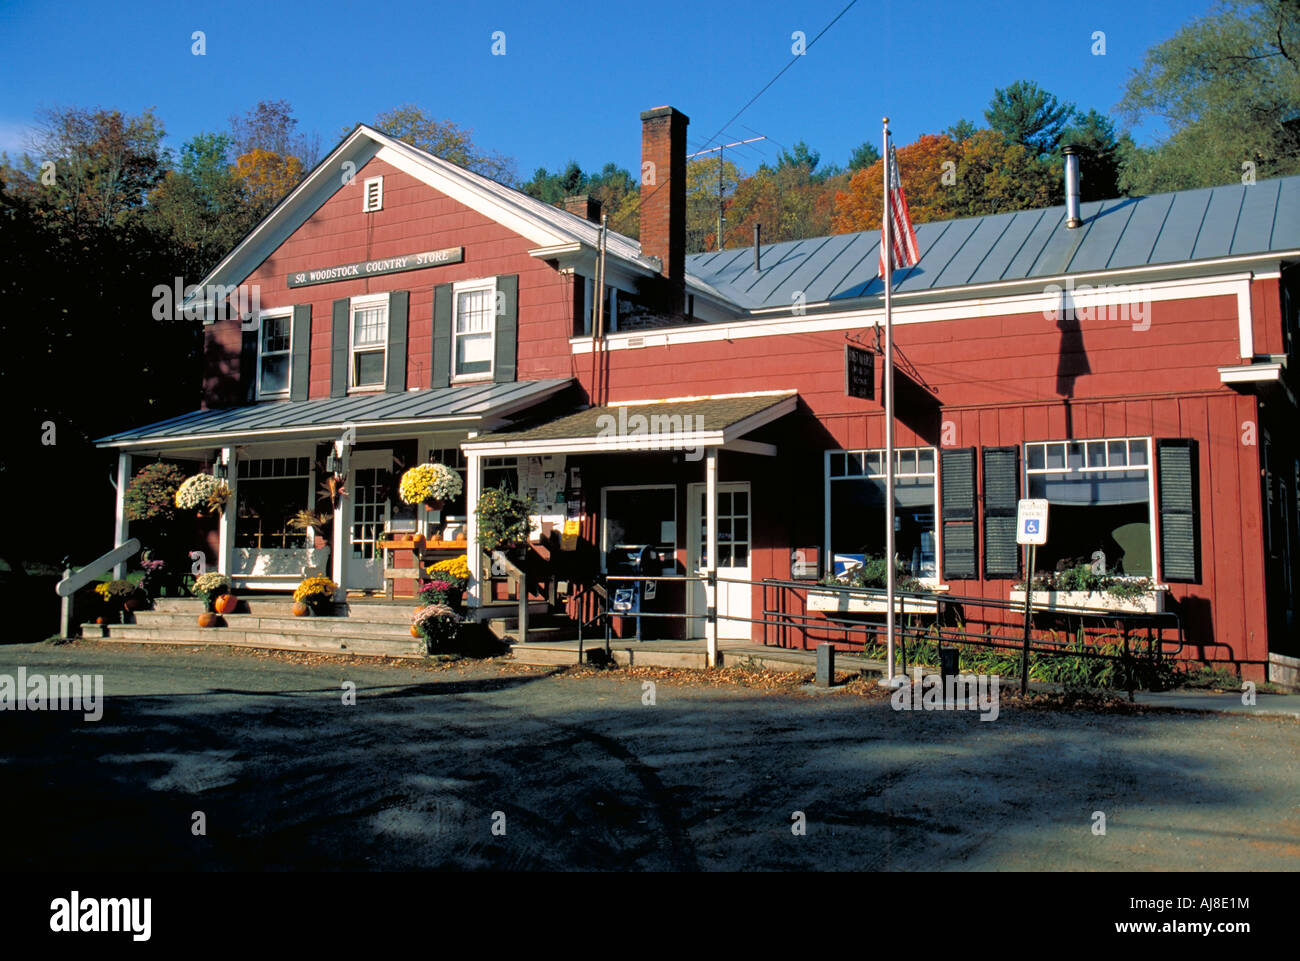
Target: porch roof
(467,406)
(680,423)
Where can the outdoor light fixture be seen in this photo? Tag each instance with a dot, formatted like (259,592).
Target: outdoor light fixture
(220,469)
(332,463)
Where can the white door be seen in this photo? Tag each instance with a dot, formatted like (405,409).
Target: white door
(734,550)
(370,470)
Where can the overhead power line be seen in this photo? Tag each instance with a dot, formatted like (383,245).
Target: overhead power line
(780,72)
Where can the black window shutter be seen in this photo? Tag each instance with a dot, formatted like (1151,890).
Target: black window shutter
(957,471)
(339,349)
(441,372)
(1177,474)
(1001,492)
(248,363)
(399,305)
(503,366)
(300,361)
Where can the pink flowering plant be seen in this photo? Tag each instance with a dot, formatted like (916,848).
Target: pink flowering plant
(439,625)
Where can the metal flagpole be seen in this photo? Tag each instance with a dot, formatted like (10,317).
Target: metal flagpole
(888,254)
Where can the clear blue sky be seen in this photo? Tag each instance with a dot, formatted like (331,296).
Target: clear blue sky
(576,75)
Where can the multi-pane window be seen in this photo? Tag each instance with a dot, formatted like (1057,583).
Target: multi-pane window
(1100,497)
(273,355)
(472,330)
(733,528)
(272,490)
(856,521)
(369,344)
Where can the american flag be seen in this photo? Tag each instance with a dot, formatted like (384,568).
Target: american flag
(902,237)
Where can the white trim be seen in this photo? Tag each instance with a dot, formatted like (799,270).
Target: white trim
(121,526)
(1250,373)
(463,191)
(1043,301)
(691,398)
(750,447)
(1245,322)
(366,206)
(1153,514)
(596,444)
(488,284)
(367,302)
(933,475)
(274,313)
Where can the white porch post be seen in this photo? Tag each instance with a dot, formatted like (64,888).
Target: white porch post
(711,547)
(120,529)
(474,557)
(342,526)
(226,552)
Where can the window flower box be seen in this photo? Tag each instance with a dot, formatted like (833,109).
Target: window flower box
(1150,602)
(830,600)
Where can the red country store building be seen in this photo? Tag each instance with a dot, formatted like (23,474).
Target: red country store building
(1136,370)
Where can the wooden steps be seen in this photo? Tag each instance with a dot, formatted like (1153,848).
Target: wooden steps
(372,627)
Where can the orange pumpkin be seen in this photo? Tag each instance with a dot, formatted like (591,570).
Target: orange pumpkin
(226,604)
(418,542)
(208,619)
(100,620)
(300,609)
(415,631)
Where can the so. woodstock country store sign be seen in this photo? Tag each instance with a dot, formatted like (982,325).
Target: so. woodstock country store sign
(373,268)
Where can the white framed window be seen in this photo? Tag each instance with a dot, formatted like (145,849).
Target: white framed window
(272,490)
(1101,496)
(372,197)
(473,329)
(855,508)
(274,353)
(368,343)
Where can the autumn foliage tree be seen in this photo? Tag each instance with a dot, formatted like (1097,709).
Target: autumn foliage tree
(921,166)
(267,176)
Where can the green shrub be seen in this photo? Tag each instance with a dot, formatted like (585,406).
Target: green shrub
(503,519)
(151,494)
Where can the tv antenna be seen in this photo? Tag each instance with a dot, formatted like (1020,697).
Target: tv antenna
(719,149)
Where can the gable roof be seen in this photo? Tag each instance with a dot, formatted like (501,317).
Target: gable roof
(1175,229)
(548,227)
(1163,229)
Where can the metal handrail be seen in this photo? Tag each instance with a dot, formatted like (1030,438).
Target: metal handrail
(805,621)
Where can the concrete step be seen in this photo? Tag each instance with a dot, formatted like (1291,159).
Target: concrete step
(625,657)
(342,626)
(509,610)
(376,611)
(268,640)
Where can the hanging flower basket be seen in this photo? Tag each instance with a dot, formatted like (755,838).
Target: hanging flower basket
(429,484)
(201,493)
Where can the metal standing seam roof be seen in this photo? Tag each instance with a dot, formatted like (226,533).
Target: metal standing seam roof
(463,403)
(710,414)
(1173,228)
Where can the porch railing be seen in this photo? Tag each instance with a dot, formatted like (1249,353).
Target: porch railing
(74,581)
(944,618)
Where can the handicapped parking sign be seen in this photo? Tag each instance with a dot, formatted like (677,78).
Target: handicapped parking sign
(1031,521)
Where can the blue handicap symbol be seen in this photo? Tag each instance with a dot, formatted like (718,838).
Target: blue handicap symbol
(1031,525)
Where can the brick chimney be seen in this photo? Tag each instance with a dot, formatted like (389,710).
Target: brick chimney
(588,208)
(663,197)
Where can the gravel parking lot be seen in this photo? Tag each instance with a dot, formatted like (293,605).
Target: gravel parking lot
(431,764)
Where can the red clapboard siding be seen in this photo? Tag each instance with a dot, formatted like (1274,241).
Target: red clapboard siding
(414,217)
